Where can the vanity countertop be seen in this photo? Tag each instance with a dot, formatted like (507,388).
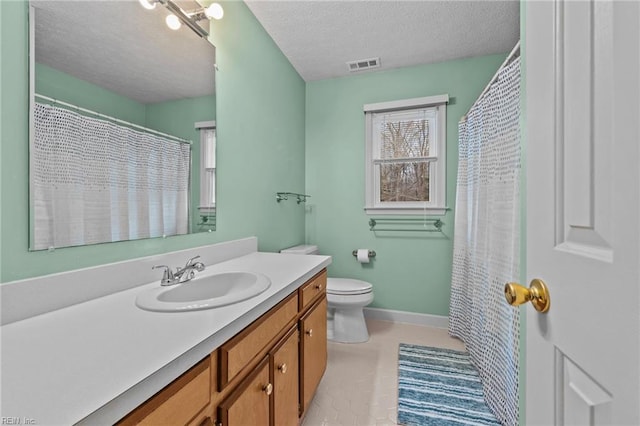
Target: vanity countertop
(94,362)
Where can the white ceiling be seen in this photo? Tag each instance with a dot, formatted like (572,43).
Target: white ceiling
(320,36)
(129,50)
(124,48)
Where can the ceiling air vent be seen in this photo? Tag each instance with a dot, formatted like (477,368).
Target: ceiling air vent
(363,64)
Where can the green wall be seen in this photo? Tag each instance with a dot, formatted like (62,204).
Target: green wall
(261,136)
(61,86)
(178,118)
(175,118)
(260,115)
(412,271)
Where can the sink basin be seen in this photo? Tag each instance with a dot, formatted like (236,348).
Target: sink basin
(204,292)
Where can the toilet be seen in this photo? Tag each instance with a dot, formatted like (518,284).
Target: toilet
(346,299)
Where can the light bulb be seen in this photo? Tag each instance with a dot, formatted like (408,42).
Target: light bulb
(173,22)
(214,11)
(148,4)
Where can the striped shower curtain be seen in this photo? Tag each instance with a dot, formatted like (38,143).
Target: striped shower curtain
(486,241)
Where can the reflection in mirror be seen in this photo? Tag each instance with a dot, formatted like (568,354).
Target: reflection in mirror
(122,131)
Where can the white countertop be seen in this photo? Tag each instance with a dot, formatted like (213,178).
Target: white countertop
(96,361)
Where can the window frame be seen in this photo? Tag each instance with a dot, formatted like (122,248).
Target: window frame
(206,205)
(438,165)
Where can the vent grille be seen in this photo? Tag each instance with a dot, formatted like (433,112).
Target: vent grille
(363,64)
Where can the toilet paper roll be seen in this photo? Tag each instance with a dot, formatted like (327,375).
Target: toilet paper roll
(363,255)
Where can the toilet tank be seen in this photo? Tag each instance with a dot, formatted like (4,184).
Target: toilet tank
(301,249)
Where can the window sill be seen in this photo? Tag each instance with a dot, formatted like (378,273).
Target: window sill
(429,211)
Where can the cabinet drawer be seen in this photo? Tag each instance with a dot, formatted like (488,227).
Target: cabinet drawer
(237,353)
(179,402)
(313,289)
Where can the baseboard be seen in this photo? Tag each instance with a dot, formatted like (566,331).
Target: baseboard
(437,321)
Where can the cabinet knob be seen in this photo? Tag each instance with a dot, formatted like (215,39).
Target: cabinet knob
(282,368)
(268,388)
(310,332)
(318,286)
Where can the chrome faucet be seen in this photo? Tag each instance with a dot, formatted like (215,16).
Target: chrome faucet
(182,275)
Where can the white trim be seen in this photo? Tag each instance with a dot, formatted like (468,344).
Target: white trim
(407,103)
(211,124)
(32,105)
(437,321)
(438,172)
(429,211)
(207,174)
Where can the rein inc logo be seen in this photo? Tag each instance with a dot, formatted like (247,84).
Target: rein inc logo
(17,421)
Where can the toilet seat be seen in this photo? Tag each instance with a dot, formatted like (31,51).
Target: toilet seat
(347,286)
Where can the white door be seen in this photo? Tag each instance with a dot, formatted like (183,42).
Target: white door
(583,211)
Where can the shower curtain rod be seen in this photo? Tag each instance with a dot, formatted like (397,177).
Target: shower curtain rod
(117,120)
(513,54)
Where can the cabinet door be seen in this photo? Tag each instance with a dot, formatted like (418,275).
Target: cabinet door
(248,404)
(313,350)
(286,381)
(177,404)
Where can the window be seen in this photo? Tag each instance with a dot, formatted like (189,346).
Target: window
(207,166)
(406,156)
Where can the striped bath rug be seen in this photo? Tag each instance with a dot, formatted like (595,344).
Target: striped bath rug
(439,387)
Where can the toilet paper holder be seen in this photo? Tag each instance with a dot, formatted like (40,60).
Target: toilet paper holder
(371,253)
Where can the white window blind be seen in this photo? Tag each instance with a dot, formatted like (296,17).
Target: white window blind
(207,166)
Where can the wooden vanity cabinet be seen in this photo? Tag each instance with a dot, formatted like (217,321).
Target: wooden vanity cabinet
(313,351)
(265,375)
(297,359)
(269,394)
(285,379)
(312,290)
(255,341)
(182,402)
(249,403)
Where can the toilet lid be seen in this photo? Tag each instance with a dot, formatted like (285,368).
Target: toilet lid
(347,286)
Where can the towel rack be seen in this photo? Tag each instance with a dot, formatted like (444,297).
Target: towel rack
(421,224)
(301,198)
(207,220)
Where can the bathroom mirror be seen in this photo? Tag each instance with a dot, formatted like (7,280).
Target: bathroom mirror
(117,64)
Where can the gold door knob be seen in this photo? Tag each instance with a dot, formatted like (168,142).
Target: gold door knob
(537,294)
(268,388)
(310,332)
(282,368)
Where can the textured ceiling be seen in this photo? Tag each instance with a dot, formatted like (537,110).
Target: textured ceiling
(319,36)
(124,48)
(129,50)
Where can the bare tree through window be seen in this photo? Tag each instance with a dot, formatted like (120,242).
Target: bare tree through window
(404,171)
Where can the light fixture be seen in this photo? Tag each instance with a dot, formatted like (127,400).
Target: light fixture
(148,4)
(214,11)
(190,19)
(173,22)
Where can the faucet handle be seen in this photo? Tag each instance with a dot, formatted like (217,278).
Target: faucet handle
(190,261)
(167,276)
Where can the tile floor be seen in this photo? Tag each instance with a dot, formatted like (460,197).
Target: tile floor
(360,386)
